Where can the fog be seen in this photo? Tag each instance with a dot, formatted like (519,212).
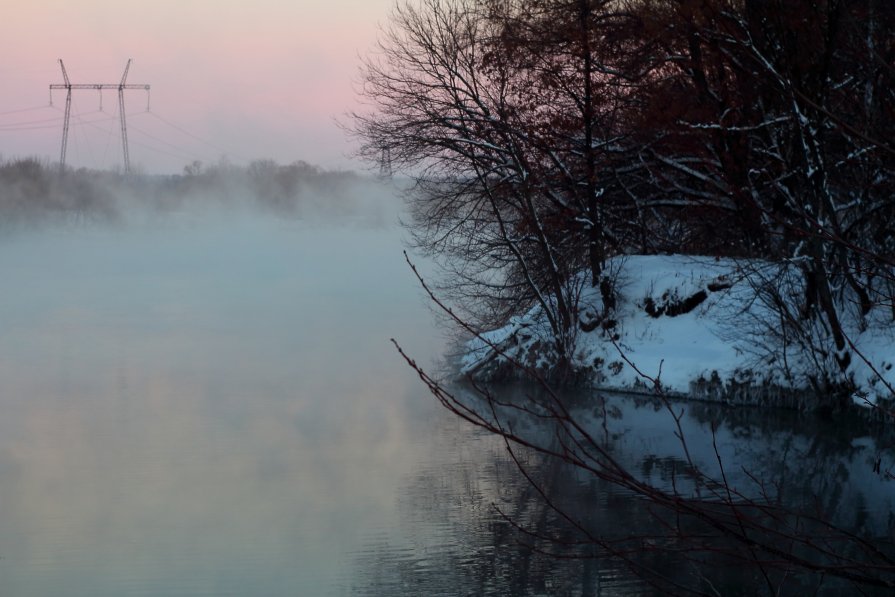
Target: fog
(198,388)
(200,397)
(33,193)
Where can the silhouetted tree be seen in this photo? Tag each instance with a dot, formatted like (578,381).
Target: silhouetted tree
(549,135)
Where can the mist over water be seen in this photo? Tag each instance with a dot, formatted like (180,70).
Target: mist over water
(199,397)
(202,400)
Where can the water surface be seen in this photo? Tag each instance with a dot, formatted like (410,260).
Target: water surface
(207,403)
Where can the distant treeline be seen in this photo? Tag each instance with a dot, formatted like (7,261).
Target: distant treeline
(33,190)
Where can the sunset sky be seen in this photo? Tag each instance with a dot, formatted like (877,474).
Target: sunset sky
(236,78)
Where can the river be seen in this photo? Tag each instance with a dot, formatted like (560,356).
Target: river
(207,402)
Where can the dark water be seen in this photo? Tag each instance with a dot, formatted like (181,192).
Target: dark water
(208,404)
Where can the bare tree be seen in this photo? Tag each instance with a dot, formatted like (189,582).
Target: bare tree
(547,136)
(781,115)
(702,520)
(442,113)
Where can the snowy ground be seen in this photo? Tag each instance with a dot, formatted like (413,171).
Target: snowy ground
(693,325)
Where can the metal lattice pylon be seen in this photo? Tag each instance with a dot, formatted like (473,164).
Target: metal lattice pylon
(385,163)
(69,86)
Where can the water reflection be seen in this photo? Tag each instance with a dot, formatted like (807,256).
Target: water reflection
(452,540)
(480,552)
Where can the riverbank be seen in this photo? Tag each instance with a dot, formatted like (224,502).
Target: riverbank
(703,328)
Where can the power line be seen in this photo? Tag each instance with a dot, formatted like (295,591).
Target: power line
(176,149)
(160,140)
(20,110)
(196,137)
(30,122)
(79,131)
(37,127)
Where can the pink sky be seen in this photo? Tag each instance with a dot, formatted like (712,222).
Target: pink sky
(250,78)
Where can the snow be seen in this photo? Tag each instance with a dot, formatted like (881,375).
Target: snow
(720,349)
(874,374)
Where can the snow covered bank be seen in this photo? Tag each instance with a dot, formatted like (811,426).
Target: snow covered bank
(699,327)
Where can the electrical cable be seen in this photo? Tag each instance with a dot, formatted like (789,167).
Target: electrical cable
(30,122)
(80,140)
(49,126)
(196,137)
(77,117)
(179,156)
(177,149)
(151,136)
(110,134)
(19,111)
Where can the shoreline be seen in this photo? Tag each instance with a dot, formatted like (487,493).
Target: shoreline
(722,346)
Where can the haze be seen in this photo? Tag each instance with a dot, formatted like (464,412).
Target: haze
(229,79)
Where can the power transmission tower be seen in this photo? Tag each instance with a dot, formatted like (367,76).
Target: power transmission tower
(385,163)
(69,86)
